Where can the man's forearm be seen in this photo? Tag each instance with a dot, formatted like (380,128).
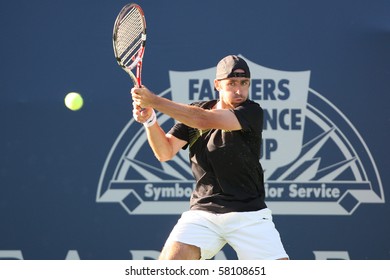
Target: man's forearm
(190,115)
(159,143)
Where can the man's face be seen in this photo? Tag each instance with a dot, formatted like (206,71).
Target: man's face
(233,91)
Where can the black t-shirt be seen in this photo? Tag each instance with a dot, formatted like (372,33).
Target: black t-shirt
(225,164)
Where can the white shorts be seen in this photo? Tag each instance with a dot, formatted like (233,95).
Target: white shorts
(252,235)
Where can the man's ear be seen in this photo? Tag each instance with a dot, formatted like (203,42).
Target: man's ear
(217,85)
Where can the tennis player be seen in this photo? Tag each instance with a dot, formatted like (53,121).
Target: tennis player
(223,137)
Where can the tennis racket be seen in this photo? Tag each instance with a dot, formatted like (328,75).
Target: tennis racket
(129,37)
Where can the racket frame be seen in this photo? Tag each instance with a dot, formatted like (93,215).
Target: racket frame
(138,56)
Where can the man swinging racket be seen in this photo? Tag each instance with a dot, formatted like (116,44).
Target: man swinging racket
(223,137)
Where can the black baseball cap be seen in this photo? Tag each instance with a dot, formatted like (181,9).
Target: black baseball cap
(228,65)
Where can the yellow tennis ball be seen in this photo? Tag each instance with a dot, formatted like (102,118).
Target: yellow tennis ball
(74,101)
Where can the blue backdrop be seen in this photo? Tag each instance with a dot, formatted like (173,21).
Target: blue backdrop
(60,195)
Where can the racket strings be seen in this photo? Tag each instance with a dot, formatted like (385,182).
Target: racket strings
(129,36)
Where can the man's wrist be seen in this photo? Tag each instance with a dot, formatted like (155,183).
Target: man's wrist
(152,120)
